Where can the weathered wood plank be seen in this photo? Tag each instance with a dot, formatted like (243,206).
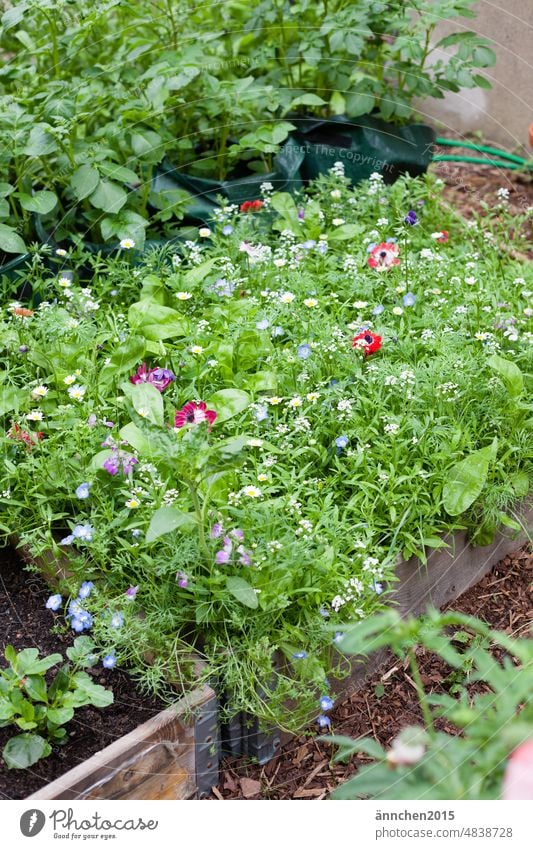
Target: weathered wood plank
(157,760)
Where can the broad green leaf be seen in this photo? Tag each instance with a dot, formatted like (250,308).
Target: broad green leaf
(344,232)
(35,686)
(283,203)
(10,241)
(84,181)
(510,374)
(136,438)
(11,398)
(262,381)
(199,272)
(41,141)
(308,99)
(227,403)
(242,591)
(29,663)
(466,480)
(108,196)
(168,519)
(40,202)
(156,322)
(520,483)
(6,189)
(124,358)
(89,693)
(61,715)
(148,402)
(24,750)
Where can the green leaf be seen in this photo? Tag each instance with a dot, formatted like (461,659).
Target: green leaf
(108,196)
(40,202)
(344,232)
(466,480)
(89,693)
(6,189)
(308,99)
(124,358)
(242,591)
(29,663)
(262,381)
(10,241)
(283,203)
(168,519)
(41,141)
(148,402)
(509,373)
(60,715)
(136,438)
(156,322)
(25,750)
(337,103)
(520,483)
(199,272)
(227,403)
(84,181)
(35,686)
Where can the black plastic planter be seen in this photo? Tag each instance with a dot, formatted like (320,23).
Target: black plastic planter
(285,177)
(364,145)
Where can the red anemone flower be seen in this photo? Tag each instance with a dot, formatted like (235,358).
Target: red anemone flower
(444,236)
(194,413)
(367,341)
(384,256)
(251,206)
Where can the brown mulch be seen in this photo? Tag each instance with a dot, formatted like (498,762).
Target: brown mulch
(303,769)
(469,185)
(26,623)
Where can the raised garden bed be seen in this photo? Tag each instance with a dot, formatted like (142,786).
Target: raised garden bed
(303,768)
(134,749)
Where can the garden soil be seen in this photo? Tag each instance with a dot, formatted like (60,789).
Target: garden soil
(303,769)
(26,623)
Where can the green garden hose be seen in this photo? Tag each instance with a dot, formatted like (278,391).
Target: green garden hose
(510,161)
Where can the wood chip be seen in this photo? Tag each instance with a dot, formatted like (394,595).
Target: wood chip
(309,793)
(250,787)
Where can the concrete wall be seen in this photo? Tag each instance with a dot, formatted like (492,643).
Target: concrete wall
(504,113)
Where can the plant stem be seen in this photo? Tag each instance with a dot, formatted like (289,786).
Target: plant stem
(421,693)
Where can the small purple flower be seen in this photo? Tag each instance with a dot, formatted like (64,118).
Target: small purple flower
(408,299)
(131,592)
(223,556)
(91,421)
(117,620)
(300,655)
(378,309)
(227,230)
(54,602)
(323,721)
(82,490)
(86,589)
(309,244)
(112,464)
(237,533)
(68,540)
(301,214)
(245,557)
(128,462)
(183,581)
(304,351)
(411,218)
(136,532)
(109,661)
(277,331)
(23,349)
(338,638)
(324,612)
(224,288)
(377,587)
(326,703)
(322,248)
(216,531)
(263,324)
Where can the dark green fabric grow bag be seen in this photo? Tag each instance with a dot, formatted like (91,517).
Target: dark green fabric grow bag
(285,177)
(364,145)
